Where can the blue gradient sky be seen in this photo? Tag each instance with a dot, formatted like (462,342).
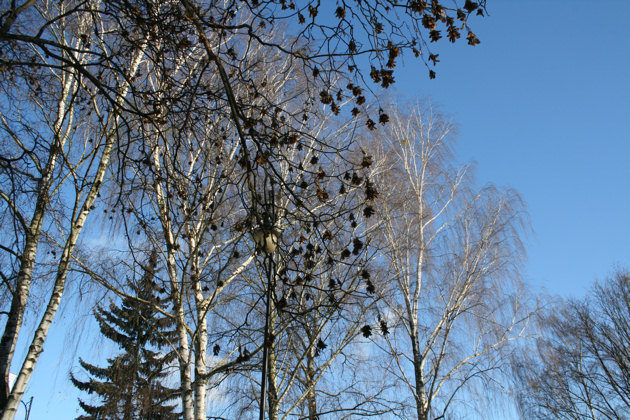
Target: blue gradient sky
(543,105)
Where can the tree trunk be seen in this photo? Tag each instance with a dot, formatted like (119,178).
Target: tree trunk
(16,314)
(32,234)
(201,344)
(183,356)
(422,405)
(9,409)
(188,412)
(37,343)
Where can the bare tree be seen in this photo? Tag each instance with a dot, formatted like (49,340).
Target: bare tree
(92,51)
(579,365)
(451,257)
(178,195)
(322,289)
(185,193)
(53,166)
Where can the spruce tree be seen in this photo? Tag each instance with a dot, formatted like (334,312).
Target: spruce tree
(130,387)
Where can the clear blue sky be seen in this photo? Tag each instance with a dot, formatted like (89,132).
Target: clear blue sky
(543,105)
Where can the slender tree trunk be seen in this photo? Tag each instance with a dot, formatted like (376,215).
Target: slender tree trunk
(184,360)
(37,343)
(201,345)
(201,336)
(32,235)
(177,293)
(422,406)
(188,411)
(16,315)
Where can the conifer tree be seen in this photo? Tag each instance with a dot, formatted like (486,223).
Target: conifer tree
(130,386)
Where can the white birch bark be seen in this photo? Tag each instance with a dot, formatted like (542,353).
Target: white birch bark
(32,234)
(448,248)
(81,212)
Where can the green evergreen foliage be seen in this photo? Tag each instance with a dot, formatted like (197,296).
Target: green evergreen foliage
(130,387)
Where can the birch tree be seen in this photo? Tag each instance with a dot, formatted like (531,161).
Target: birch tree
(451,254)
(180,198)
(54,161)
(182,192)
(189,190)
